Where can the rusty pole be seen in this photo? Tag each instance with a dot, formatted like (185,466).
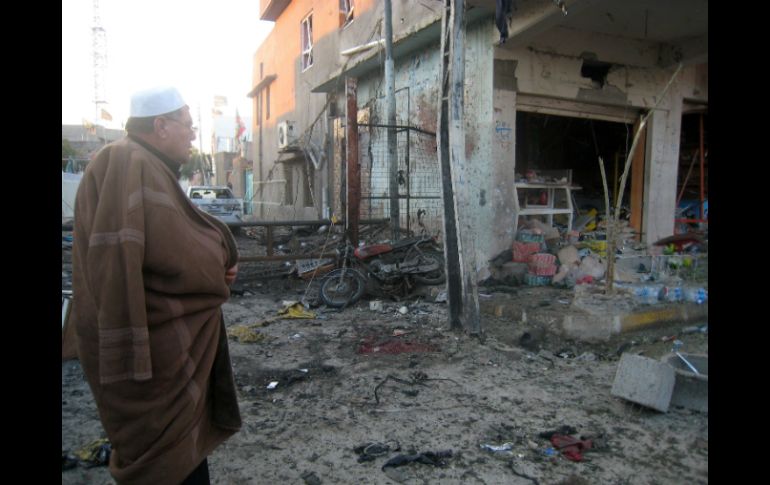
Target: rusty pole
(353,168)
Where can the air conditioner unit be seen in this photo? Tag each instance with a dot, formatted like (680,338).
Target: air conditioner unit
(286,134)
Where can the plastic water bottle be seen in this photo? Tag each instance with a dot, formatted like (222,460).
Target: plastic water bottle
(697,295)
(672,293)
(649,294)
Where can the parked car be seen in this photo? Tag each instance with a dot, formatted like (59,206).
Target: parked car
(218,201)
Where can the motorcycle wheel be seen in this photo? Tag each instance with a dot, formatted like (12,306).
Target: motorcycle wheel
(342,287)
(435,277)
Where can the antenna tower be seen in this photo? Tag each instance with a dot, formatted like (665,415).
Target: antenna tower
(99,48)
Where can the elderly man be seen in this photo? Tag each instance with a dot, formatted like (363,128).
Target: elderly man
(150,273)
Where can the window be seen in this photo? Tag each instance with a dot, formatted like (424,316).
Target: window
(307,41)
(211,194)
(346,12)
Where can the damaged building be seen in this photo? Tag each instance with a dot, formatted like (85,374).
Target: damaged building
(548,90)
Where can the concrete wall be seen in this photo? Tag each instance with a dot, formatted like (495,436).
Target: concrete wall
(487,179)
(490,119)
(661,166)
(416,85)
(503,153)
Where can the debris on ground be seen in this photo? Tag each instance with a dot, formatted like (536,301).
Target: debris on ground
(564,429)
(304,428)
(434,458)
(497,448)
(311,478)
(68,461)
(394,345)
(95,453)
(644,381)
(370,451)
(570,447)
(294,309)
(245,334)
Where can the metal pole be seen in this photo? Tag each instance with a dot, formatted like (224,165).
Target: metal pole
(407,179)
(702,180)
(260,123)
(353,169)
(390,109)
(200,148)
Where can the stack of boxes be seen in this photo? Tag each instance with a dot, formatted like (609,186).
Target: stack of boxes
(540,269)
(528,249)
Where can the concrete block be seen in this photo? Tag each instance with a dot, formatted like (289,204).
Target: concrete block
(691,390)
(644,381)
(588,327)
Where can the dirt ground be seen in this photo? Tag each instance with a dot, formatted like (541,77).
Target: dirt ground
(406,383)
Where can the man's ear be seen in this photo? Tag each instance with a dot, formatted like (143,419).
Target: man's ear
(159,127)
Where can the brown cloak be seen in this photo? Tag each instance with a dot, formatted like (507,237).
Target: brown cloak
(148,285)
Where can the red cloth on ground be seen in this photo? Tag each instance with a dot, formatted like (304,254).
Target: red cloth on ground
(570,446)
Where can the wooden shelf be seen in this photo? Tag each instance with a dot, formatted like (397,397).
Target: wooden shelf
(544,210)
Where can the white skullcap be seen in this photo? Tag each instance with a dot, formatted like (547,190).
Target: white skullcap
(155,101)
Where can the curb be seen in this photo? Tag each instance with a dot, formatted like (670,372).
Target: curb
(684,312)
(598,327)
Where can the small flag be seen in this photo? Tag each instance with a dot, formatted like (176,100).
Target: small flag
(106,115)
(90,128)
(216,112)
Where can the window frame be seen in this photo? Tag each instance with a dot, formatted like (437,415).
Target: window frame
(306,36)
(347,12)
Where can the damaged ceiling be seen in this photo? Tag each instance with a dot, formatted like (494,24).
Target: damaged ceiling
(681,27)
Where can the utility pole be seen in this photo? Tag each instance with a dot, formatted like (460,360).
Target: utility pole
(204,163)
(353,178)
(390,109)
(462,287)
(99,54)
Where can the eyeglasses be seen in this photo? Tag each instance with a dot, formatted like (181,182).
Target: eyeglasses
(190,127)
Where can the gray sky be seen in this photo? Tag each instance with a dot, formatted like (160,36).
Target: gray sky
(203,47)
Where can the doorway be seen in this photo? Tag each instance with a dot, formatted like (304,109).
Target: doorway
(549,142)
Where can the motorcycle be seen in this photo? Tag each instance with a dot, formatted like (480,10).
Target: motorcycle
(383,270)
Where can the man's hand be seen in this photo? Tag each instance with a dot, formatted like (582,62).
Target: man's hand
(230,274)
